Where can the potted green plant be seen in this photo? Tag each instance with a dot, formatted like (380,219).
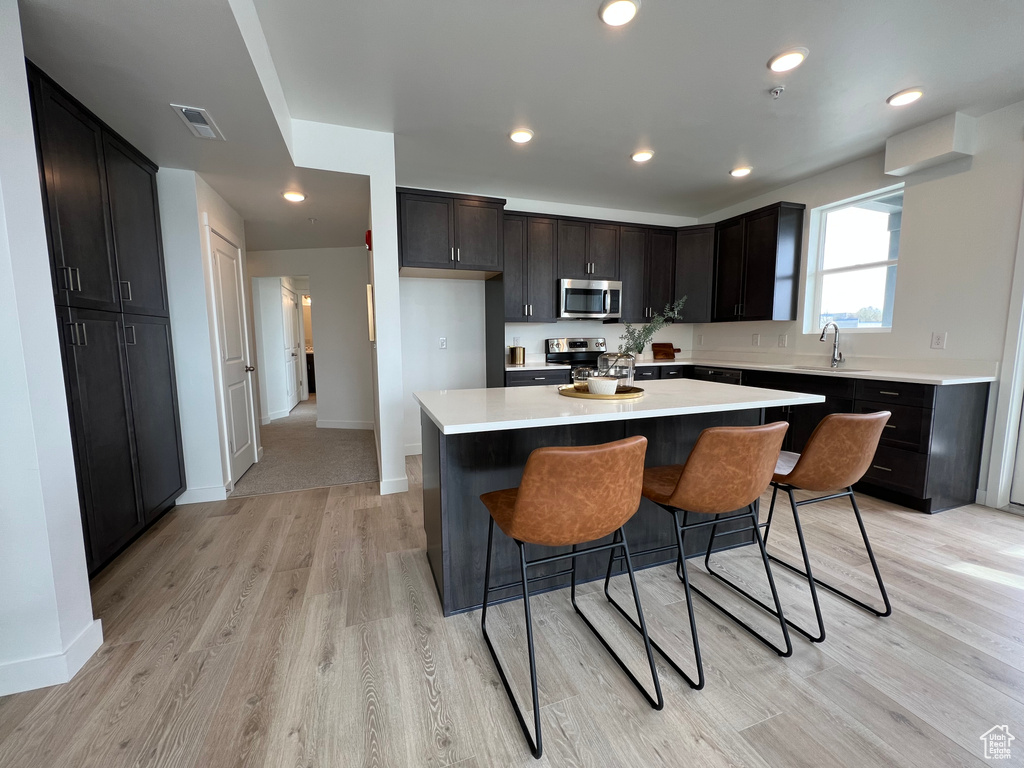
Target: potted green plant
(622,363)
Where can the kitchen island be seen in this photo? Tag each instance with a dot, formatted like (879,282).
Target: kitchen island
(478,440)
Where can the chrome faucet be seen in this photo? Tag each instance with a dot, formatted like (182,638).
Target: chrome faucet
(837,356)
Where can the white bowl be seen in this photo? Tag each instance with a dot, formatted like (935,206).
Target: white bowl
(603,385)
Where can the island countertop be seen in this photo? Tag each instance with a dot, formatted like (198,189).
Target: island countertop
(464,411)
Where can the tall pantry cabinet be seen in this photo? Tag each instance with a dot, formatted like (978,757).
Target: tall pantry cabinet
(110,295)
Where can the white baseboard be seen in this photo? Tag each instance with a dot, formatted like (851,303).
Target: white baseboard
(394,485)
(259,453)
(413,449)
(202,495)
(276,415)
(264,420)
(43,671)
(330,424)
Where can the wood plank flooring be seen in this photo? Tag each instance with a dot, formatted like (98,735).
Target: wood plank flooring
(303,629)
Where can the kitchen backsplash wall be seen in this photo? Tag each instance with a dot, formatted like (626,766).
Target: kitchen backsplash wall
(533,335)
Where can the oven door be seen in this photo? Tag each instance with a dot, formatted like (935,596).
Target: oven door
(593,299)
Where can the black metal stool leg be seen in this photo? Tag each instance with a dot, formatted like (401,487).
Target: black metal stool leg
(813,579)
(776,612)
(657,701)
(699,682)
(536,746)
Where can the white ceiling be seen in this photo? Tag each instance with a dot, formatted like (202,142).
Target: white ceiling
(452,77)
(128,60)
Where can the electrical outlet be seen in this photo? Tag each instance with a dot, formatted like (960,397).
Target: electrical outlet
(700,339)
(938,340)
(783,340)
(515,341)
(755,339)
(442,342)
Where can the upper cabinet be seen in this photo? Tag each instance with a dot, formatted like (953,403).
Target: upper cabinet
(695,271)
(443,231)
(101,205)
(604,251)
(530,287)
(632,267)
(659,271)
(757,259)
(588,250)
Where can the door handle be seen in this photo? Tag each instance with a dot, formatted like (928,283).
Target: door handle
(250,368)
(132,329)
(295,354)
(126,284)
(607,300)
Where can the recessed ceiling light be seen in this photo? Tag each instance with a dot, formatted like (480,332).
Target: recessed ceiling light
(743,170)
(615,13)
(904,97)
(642,155)
(788,60)
(294,197)
(521,135)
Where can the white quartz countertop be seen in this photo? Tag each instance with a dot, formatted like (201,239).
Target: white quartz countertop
(853,372)
(462,411)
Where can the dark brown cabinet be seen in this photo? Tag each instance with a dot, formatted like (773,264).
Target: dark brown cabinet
(659,272)
(135,229)
(538,378)
(757,264)
(106,253)
(96,370)
(695,272)
(442,231)
(530,287)
(632,272)
(573,250)
(604,251)
(71,150)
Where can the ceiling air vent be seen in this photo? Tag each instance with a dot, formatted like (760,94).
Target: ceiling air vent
(198,121)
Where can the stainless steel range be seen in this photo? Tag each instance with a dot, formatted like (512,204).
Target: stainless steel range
(576,352)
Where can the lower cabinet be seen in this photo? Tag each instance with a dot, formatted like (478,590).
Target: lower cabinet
(119,372)
(929,455)
(96,370)
(538,378)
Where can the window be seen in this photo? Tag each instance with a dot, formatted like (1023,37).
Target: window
(854,272)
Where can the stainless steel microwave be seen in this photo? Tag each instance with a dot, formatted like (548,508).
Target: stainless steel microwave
(590,299)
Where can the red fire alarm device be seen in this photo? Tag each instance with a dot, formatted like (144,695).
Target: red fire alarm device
(369,240)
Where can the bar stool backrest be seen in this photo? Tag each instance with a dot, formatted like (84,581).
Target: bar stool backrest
(839,451)
(728,468)
(571,495)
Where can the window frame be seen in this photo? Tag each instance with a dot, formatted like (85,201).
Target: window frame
(816,273)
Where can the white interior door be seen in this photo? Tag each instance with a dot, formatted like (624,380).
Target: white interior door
(292,345)
(234,355)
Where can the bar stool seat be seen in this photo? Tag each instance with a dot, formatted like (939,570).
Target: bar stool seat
(568,496)
(660,482)
(836,456)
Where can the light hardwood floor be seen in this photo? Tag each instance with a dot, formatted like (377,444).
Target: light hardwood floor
(303,629)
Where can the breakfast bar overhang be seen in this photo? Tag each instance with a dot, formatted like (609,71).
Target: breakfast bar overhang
(478,440)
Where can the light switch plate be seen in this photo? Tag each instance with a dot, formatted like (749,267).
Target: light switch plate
(700,339)
(938,340)
(783,340)
(515,341)
(755,339)
(442,342)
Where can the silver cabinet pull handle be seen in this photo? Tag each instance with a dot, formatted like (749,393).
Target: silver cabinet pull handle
(128,286)
(65,273)
(453,253)
(458,254)
(132,329)
(891,394)
(884,469)
(540,378)
(81,335)
(526,308)
(890,426)
(531,310)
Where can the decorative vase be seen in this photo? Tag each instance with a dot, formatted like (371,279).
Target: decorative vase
(620,365)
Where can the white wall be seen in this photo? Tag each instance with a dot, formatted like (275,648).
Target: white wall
(47,630)
(957,248)
(337,289)
(432,309)
(371,153)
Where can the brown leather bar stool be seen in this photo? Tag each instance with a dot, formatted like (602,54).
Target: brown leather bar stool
(837,455)
(568,497)
(728,469)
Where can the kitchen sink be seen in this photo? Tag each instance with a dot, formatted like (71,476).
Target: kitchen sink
(829,369)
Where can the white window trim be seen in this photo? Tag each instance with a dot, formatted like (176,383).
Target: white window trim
(815,275)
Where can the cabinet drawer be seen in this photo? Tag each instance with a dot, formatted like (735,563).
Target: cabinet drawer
(908,427)
(905,471)
(536,378)
(673,372)
(921,395)
(647,373)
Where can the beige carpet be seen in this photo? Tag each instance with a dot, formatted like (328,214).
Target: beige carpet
(297,455)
